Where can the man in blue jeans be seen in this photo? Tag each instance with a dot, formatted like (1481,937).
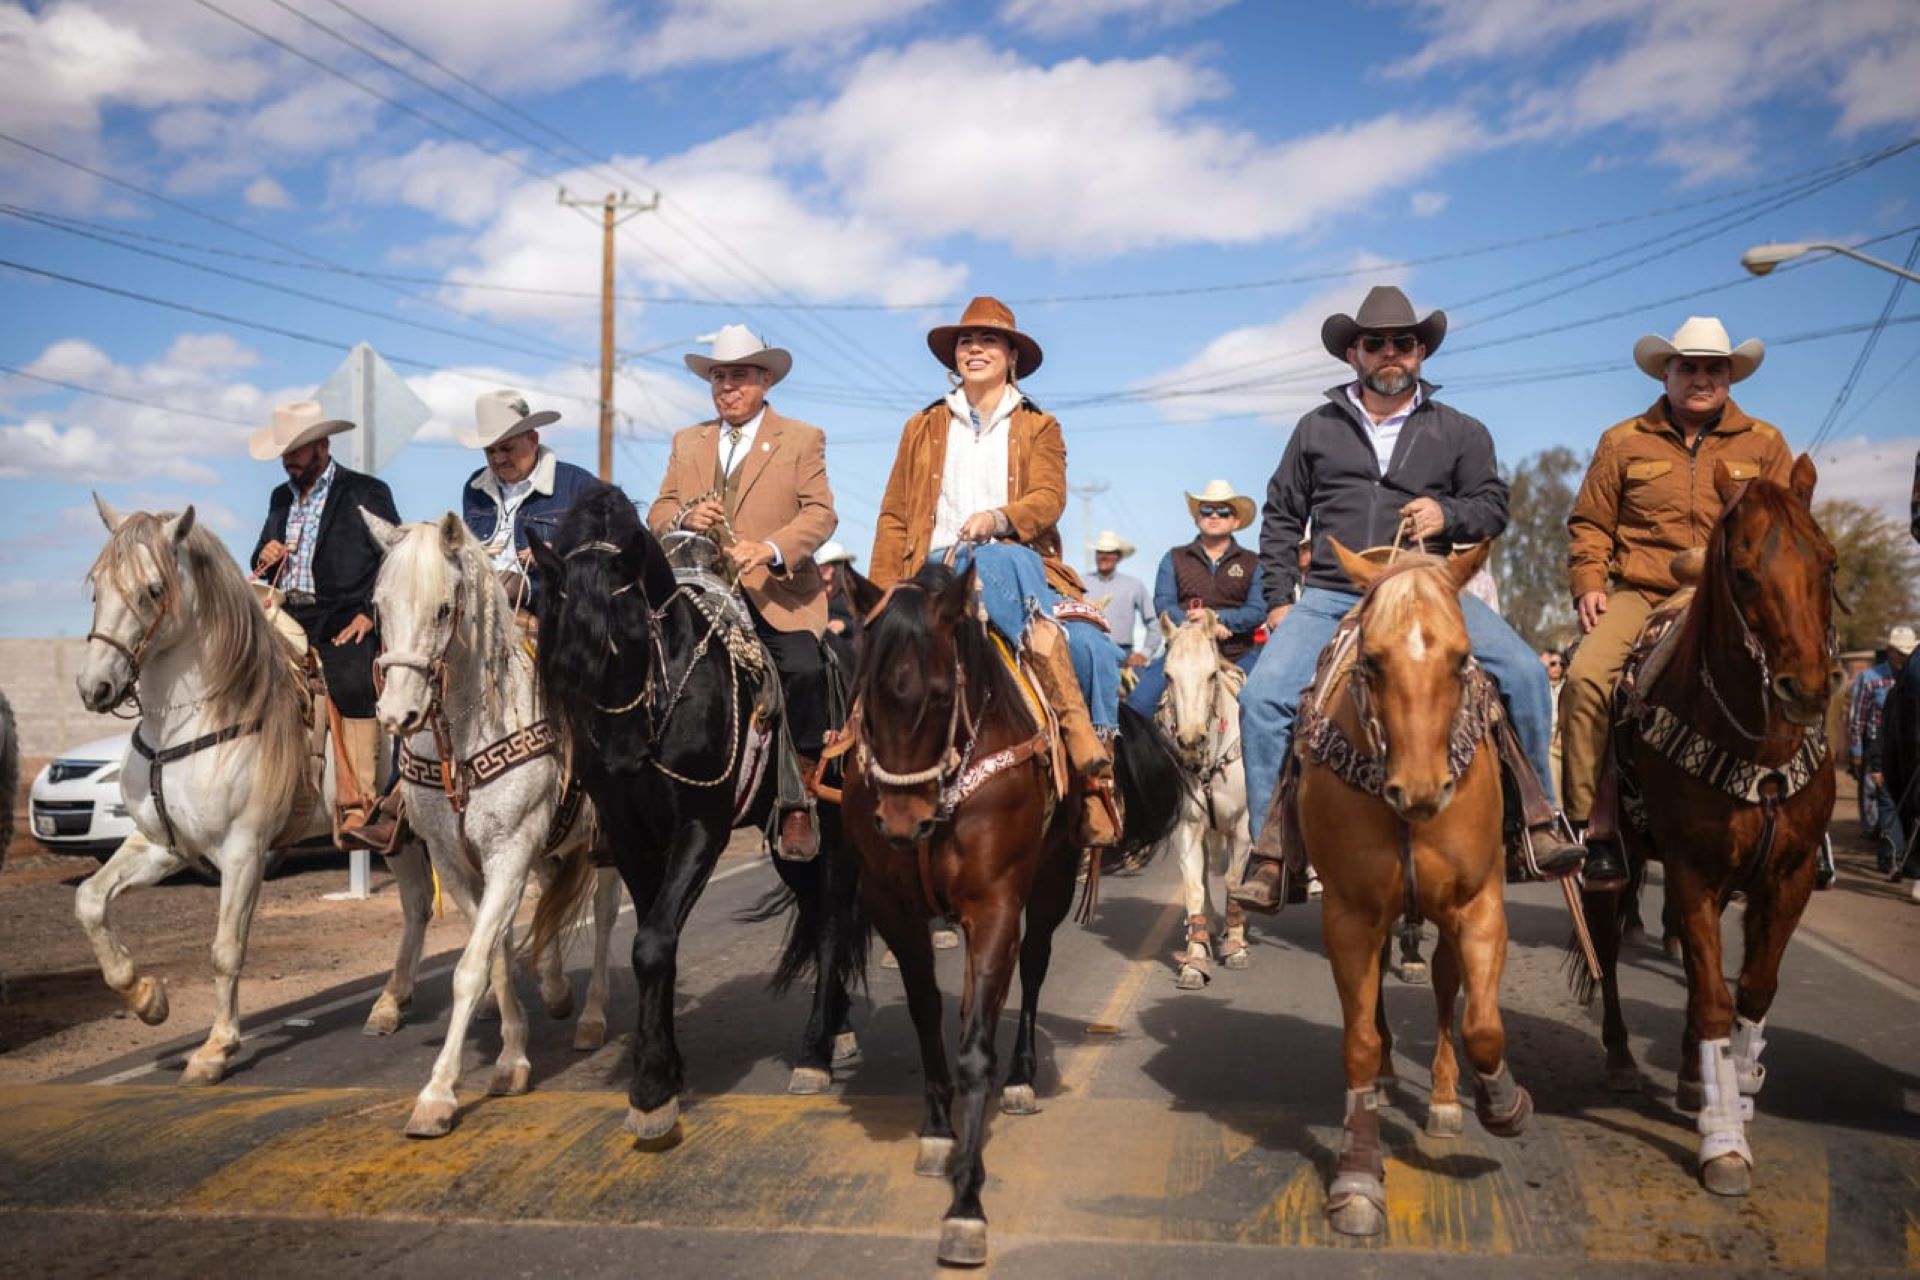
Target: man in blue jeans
(1381,453)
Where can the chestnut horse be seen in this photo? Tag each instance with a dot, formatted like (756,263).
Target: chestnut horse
(1725,745)
(951,804)
(1400,812)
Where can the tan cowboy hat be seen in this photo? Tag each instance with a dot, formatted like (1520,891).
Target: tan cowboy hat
(1111,541)
(293,426)
(1221,491)
(501,415)
(1699,336)
(831,552)
(1902,639)
(986,313)
(736,344)
(1385,310)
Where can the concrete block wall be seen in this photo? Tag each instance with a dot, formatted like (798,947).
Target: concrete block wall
(37,677)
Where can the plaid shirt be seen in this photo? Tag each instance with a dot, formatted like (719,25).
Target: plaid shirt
(303,532)
(1869,699)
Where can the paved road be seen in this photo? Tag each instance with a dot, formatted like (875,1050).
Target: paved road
(1178,1130)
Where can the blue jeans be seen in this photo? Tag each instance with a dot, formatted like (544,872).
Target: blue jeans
(1272,697)
(1152,681)
(1013,586)
(1883,819)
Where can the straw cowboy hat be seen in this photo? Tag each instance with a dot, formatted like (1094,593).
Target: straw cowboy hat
(294,426)
(1902,639)
(1385,310)
(1221,491)
(986,313)
(1111,541)
(736,344)
(501,415)
(831,552)
(1699,336)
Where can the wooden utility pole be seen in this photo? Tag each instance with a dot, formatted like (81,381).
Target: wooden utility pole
(610,206)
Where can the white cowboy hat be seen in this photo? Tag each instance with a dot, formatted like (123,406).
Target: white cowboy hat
(1111,541)
(736,344)
(500,415)
(1221,491)
(1902,639)
(1699,336)
(293,425)
(831,552)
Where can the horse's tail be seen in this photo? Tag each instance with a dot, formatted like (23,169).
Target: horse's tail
(821,901)
(564,903)
(1152,785)
(1607,915)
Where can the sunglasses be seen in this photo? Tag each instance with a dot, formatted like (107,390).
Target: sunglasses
(1215,509)
(1374,343)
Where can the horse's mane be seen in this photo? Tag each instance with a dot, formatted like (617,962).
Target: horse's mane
(896,627)
(602,632)
(247,667)
(417,566)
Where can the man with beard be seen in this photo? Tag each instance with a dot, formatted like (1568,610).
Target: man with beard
(316,549)
(1380,455)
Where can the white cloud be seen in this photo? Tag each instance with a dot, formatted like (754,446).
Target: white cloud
(199,352)
(1060,17)
(265,193)
(1877,473)
(1424,204)
(712,32)
(455,181)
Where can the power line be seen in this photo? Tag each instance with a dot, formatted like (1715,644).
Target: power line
(1866,351)
(104,394)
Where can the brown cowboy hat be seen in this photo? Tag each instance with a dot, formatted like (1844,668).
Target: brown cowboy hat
(1386,310)
(985,313)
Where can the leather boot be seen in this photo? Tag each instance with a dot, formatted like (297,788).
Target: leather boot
(799,830)
(1547,852)
(1606,867)
(356,758)
(381,832)
(1053,668)
(1268,884)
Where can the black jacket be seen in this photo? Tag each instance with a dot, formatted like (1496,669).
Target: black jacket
(346,561)
(1329,474)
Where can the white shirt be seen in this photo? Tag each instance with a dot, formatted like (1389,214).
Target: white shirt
(974,475)
(507,498)
(1386,432)
(732,455)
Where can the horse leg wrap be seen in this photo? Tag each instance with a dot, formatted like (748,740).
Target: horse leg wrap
(1723,1110)
(1748,1041)
(1361,1161)
(1503,1106)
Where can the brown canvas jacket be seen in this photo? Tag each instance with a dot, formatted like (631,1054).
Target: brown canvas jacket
(782,498)
(1646,497)
(1036,493)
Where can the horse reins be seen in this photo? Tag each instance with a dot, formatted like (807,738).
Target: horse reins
(434,671)
(134,653)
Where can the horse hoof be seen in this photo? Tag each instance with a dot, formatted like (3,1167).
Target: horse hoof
(1727,1175)
(1235,960)
(1446,1120)
(562,1009)
(203,1070)
(589,1034)
(148,1000)
(1514,1122)
(808,1080)
(947,940)
(1623,1080)
(1689,1096)
(1190,979)
(431,1118)
(846,1049)
(963,1242)
(657,1123)
(1413,972)
(934,1156)
(384,1018)
(510,1081)
(888,960)
(1019,1100)
(1358,1213)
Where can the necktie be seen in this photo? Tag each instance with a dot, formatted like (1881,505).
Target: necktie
(733,446)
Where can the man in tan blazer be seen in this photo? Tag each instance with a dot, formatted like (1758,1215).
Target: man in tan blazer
(757,483)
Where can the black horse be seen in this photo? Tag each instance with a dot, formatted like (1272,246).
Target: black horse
(658,713)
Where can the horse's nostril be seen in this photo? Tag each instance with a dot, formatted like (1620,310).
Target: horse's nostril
(1395,794)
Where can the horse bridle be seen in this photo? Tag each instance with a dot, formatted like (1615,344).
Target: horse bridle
(952,757)
(137,651)
(434,671)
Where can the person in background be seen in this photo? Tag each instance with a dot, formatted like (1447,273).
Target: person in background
(524,487)
(1877,807)
(1556,667)
(1126,599)
(1212,572)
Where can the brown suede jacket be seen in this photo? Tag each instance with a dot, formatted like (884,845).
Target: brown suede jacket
(1647,496)
(1036,494)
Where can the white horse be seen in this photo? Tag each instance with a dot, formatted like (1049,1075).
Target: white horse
(1201,713)
(460,690)
(219,769)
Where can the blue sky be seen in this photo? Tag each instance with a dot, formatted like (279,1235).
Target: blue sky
(1172,194)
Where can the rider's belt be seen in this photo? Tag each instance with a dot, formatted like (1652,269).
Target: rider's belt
(301,597)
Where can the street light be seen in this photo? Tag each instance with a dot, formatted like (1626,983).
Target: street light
(1763,258)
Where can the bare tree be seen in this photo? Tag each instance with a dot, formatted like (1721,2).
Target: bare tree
(1531,556)
(1878,566)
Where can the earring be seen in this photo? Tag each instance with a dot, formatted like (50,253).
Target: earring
(953,379)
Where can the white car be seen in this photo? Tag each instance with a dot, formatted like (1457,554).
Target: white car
(75,801)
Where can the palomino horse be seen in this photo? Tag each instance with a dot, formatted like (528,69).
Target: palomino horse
(1724,747)
(654,686)
(951,804)
(1400,809)
(487,791)
(218,772)
(1201,712)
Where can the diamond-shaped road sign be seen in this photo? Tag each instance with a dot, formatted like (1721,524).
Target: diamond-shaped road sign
(366,390)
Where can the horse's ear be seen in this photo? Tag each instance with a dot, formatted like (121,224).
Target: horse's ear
(179,527)
(1463,566)
(1802,480)
(108,516)
(1167,625)
(545,558)
(632,560)
(452,532)
(386,535)
(1360,570)
(864,593)
(955,602)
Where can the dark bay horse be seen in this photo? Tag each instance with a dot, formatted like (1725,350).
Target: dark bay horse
(952,807)
(1725,747)
(1400,811)
(658,711)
